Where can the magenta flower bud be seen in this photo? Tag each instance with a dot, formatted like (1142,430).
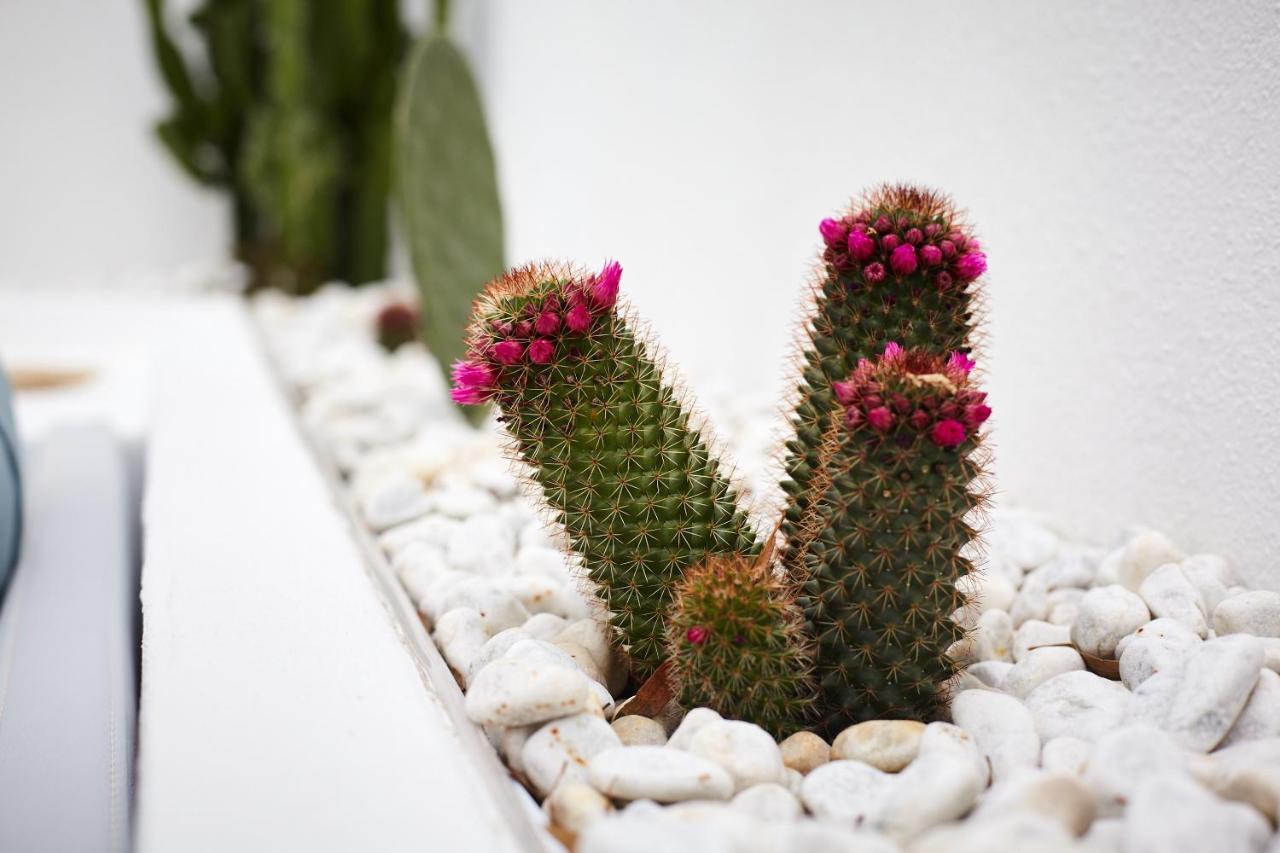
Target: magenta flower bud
(578,320)
(508,352)
(861,247)
(943,280)
(604,292)
(832,232)
(971,265)
(871,401)
(697,635)
(948,249)
(930,255)
(893,351)
(889,242)
(881,419)
(541,350)
(467,396)
(949,410)
(975,416)
(523,329)
(840,260)
(914,236)
(932,229)
(948,433)
(919,419)
(472,382)
(960,362)
(873,272)
(844,391)
(548,323)
(903,222)
(883,225)
(853,418)
(903,260)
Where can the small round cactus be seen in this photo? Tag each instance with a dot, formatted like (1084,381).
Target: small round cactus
(397,325)
(737,644)
(893,522)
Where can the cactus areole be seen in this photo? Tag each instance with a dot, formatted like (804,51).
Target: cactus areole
(893,522)
(640,494)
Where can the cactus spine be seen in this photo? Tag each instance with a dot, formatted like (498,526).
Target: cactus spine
(292,115)
(640,493)
(898,265)
(881,569)
(736,643)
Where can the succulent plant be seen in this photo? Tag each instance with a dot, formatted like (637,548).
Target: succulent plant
(619,459)
(899,265)
(903,477)
(737,644)
(396,325)
(291,113)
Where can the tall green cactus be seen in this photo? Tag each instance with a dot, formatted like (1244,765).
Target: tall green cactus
(736,642)
(904,474)
(291,114)
(898,265)
(447,191)
(641,495)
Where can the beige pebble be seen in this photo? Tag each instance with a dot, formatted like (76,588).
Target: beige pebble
(804,751)
(635,730)
(887,745)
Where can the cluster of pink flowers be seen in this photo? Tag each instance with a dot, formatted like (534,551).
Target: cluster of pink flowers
(912,389)
(536,334)
(878,247)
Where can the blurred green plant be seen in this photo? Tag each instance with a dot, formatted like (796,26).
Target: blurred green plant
(447,190)
(290,112)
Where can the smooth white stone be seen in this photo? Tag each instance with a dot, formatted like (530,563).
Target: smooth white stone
(634,730)
(1211,575)
(497,646)
(935,788)
(993,638)
(1260,717)
(542,594)
(534,534)
(1271,653)
(1002,726)
(537,560)
(460,635)
(1031,602)
(1170,595)
(1172,814)
(1060,797)
(1038,666)
(887,745)
(629,833)
(429,530)
(1022,539)
(1078,704)
(494,475)
(1064,595)
(990,672)
(1033,633)
(574,805)
(1066,754)
(1063,614)
(804,751)
(435,596)
(544,626)
(591,635)
(1144,657)
(1124,758)
(1256,613)
(559,751)
(747,751)
(462,501)
(692,723)
(794,780)
(987,591)
(768,801)
(952,740)
(813,836)
(658,773)
(393,500)
(419,568)
(1197,700)
(482,544)
(515,692)
(1106,614)
(846,791)
(510,741)
(1142,555)
(1016,833)
(1075,568)
(498,608)
(1106,835)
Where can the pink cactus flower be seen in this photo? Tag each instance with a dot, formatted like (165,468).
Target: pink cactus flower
(472,382)
(919,419)
(508,352)
(578,320)
(931,255)
(975,416)
(893,351)
(873,272)
(697,635)
(948,249)
(861,247)
(881,419)
(832,232)
(844,391)
(884,225)
(960,362)
(948,433)
(541,350)
(914,236)
(604,292)
(548,323)
(971,265)
(890,242)
(932,230)
(903,261)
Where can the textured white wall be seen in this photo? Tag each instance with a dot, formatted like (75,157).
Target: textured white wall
(1122,162)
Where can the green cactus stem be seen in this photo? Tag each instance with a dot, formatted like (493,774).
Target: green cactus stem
(737,644)
(619,461)
(899,265)
(903,482)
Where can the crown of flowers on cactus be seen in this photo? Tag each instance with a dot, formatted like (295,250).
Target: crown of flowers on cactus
(910,393)
(901,231)
(531,316)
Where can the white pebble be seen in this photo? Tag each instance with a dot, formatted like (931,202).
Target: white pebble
(515,692)
(846,791)
(1021,832)
(1211,576)
(990,672)
(1123,758)
(638,833)
(1066,754)
(1038,666)
(460,636)
(1031,602)
(692,723)
(658,773)
(574,805)
(497,646)
(935,788)
(1169,594)
(634,730)
(987,591)
(1106,614)
(1256,613)
(1061,797)
(1002,726)
(392,500)
(498,608)
(1172,814)
(544,626)
(1142,555)
(542,594)
(433,530)
(950,739)
(462,501)
(768,801)
(1260,717)
(559,751)
(993,638)
(747,751)
(1078,704)
(1033,634)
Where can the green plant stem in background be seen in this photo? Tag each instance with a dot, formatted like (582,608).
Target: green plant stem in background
(290,113)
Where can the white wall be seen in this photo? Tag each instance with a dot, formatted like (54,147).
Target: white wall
(1120,160)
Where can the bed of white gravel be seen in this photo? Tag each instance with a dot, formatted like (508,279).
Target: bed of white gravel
(1180,753)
